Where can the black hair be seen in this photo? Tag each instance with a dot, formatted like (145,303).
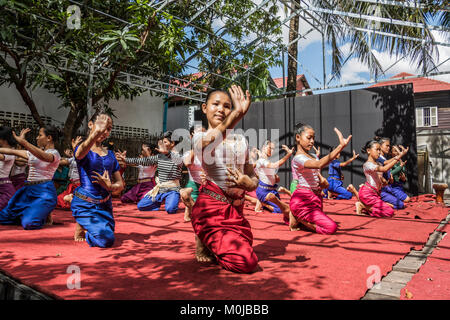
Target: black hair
(152,146)
(300,127)
(53,132)
(369,144)
(381,140)
(217,90)
(6,134)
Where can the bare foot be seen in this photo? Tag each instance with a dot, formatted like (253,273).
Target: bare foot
(258,207)
(353,190)
(308,225)
(49,220)
(187,214)
(202,253)
(362,209)
(68,198)
(80,233)
(293,223)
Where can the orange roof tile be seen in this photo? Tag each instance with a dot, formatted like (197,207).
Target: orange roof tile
(419,84)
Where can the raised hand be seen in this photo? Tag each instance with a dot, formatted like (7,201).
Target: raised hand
(286,148)
(103,180)
(342,141)
(120,156)
(101,124)
(21,138)
(240,100)
(355,155)
(317,151)
(76,142)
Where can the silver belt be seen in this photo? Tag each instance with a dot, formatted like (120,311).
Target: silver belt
(30,183)
(236,202)
(5,182)
(91,200)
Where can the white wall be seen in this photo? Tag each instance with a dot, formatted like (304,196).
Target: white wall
(437,141)
(144,111)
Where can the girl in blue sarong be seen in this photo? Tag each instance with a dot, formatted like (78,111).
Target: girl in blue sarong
(31,205)
(336,178)
(91,205)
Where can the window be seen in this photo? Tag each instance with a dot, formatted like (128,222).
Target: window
(426,117)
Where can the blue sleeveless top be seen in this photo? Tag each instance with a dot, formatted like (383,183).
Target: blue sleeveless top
(334,169)
(91,163)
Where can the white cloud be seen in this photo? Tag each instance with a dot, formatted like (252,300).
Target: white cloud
(354,71)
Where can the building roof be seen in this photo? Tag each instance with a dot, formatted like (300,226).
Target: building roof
(302,83)
(419,84)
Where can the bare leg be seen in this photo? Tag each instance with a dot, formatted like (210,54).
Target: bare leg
(202,253)
(294,223)
(353,190)
(283,206)
(258,207)
(284,190)
(80,233)
(188,202)
(362,209)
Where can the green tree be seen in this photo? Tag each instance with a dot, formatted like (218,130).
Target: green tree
(39,49)
(340,29)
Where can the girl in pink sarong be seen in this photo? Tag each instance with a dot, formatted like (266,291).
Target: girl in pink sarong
(306,201)
(222,232)
(369,193)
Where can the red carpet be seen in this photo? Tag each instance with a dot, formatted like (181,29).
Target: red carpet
(153,257)
(432,282)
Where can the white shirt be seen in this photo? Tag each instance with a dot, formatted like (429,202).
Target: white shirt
(372,176)
(146,172)
(308,178)
(73,169)
(41,170)
(6,165)
(218,156)
(195,169)
(16,170)
(265,174)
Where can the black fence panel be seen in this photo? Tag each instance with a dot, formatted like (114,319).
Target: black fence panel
(366,113)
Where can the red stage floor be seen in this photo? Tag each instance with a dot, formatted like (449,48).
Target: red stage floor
(432,282)
(153,257)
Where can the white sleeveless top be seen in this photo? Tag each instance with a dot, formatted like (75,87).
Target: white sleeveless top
(6,165)
(308,178)
(41,170)
(372,176)
(146,172)
(218,156)
(265,174)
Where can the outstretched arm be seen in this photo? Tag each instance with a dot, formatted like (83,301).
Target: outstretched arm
(241,104)
(14,152)
(100,127)
(319,164)
(346,163)
(279,163)
(37,152)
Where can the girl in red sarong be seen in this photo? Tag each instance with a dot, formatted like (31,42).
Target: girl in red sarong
(221,230)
